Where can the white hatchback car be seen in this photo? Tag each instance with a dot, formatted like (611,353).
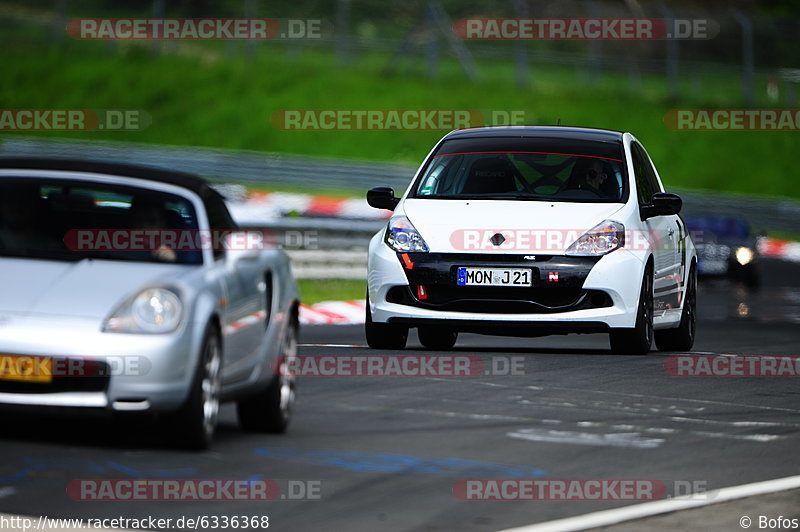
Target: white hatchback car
(531,231)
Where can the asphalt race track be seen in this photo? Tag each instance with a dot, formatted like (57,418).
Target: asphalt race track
(386,452)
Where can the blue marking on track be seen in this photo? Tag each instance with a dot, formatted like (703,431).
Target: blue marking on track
(50,470)
(398,463)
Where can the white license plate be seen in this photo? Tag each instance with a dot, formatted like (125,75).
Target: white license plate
(468,276)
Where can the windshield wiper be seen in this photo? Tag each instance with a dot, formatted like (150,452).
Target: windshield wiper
(515,196)
(482,196)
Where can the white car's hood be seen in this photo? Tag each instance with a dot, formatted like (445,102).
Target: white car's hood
(528,226)
(88,288)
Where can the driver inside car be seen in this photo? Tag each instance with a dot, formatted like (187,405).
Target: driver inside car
(150,215)
(588,174)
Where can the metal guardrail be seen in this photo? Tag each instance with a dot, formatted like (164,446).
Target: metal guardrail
(322,233)
(327,264)
(220,164)
(763,213)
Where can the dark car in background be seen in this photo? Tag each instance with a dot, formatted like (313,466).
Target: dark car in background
(726,247)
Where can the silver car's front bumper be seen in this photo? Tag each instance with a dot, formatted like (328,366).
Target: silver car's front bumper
(143,372)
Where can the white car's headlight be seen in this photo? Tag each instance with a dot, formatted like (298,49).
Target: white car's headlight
(744,255)
(402,236)
(151,311)
(603,238)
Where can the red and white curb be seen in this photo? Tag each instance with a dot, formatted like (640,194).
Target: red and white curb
(256,317)
(257,206)
(349,312)
(781,249)
(334,313)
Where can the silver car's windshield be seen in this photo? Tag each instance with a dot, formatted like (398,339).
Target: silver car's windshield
(73,220)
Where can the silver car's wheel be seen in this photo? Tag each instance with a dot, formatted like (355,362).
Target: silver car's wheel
(194,424)
(271,410)
(287,380)
(210,385)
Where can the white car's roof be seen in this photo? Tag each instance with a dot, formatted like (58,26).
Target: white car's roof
(565,132)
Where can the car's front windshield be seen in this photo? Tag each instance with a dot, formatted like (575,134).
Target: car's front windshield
(73,220)
(525,168)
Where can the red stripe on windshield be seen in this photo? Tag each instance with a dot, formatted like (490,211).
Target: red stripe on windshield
(537,152)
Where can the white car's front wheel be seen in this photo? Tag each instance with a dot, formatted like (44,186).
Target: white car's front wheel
(637,340)
(437,338)
(384,335)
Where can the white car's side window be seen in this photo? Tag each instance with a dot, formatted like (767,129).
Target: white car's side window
(646,182)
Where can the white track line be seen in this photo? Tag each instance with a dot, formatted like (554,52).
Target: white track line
(648,509)
(330,345)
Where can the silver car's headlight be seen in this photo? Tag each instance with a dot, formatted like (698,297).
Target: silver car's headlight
(402,236)
(603,238)
(151,311)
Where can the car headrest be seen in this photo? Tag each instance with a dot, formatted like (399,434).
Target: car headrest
(490,175)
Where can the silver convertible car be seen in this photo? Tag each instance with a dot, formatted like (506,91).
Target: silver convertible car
(128,289)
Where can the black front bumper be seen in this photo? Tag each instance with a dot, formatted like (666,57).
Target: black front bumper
(506,328)
(557,284)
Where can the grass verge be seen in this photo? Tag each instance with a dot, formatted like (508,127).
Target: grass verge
(204,97)
(316,290)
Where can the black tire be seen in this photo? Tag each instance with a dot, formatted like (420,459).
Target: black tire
(384,335)
(637,340)
(437,338)
(681,338)
(195,423)
(271,410)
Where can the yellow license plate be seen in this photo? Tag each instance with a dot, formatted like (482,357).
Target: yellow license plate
(26,368)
